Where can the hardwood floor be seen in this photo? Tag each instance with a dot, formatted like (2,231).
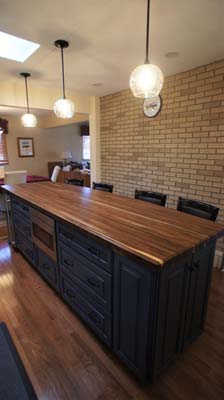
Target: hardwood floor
(66,362)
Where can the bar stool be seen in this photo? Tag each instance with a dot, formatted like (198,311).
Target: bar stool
(151,197)
(197,208)
(105,187)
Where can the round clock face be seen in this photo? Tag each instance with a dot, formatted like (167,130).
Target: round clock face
(152,106)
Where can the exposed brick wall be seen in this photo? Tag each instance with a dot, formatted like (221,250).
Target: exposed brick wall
(179,152)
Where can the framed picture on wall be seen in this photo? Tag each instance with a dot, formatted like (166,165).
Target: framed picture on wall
(25,147)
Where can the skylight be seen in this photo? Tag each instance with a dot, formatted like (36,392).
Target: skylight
(14,48)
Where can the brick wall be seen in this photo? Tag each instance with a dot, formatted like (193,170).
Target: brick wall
(179,152)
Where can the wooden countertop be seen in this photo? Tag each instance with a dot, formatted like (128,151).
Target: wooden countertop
(151,232)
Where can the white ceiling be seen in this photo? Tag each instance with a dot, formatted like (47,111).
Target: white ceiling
(107,39)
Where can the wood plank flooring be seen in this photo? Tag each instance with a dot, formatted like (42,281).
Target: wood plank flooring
(65,361)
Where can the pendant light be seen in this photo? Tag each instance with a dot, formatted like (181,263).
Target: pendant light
(63,108)
(147,79)
(28,120)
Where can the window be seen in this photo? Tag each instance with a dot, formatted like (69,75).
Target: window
(14,48)
(3,149)
(86,147)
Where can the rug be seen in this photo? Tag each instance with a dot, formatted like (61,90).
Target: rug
(14,381)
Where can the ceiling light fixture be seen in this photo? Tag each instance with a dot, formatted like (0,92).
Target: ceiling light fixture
(63,108)
(147,79)
(28,120)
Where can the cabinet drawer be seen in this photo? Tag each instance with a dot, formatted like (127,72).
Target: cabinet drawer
(98,319)
(86,246)
(22,225)
(26,248)
(92,279)
(21,208)
(48,268)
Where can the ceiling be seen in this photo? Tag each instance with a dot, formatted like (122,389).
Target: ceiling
(107,39)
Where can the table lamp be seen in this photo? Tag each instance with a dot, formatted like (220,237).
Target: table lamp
(66,156)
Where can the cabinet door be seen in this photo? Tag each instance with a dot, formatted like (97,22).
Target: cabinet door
(132,295)
(199,276)
(171,308)
(48,268)
(25,247)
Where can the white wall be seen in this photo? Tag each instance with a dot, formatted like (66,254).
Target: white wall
(48,145)
(94,127)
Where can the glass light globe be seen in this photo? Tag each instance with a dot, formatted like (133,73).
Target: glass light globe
(146,81)
(64,108)
(29,120)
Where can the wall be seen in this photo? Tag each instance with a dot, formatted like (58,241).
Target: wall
(48,145)
(181,151)
(94,123)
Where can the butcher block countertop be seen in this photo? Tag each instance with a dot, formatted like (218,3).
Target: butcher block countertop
(153,233)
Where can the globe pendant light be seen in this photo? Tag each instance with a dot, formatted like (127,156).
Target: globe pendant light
(28,120)
(63,108)
(147,79)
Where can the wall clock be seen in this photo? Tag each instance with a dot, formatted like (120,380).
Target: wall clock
(152,106)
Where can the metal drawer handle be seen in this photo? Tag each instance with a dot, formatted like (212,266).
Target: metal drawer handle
(29,252)
(94,317)
(67,235)
(92,282)
(68,262)
(46,266)
(70,294)
(93,251)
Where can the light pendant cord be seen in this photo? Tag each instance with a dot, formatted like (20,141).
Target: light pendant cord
(63,73)
(147,34)
(27,97)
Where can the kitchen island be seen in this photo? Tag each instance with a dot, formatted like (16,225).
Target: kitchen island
(136,273)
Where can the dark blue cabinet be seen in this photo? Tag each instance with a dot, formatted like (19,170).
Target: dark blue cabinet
(134,287)
(171,297)
(94,315)
(94,281)
(198,283)
(25,246)
(48,268)
(146,314)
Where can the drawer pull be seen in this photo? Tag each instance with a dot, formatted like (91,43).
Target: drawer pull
(67,235)
(92,282)
(46,266)
(92,315)
(68,262)
(191,268)
(196,264)
(93,251)
(29,252)
(70,294)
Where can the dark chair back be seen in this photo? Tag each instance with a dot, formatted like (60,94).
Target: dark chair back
(105,187)
(76,182)
(197,208)
(151,197)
